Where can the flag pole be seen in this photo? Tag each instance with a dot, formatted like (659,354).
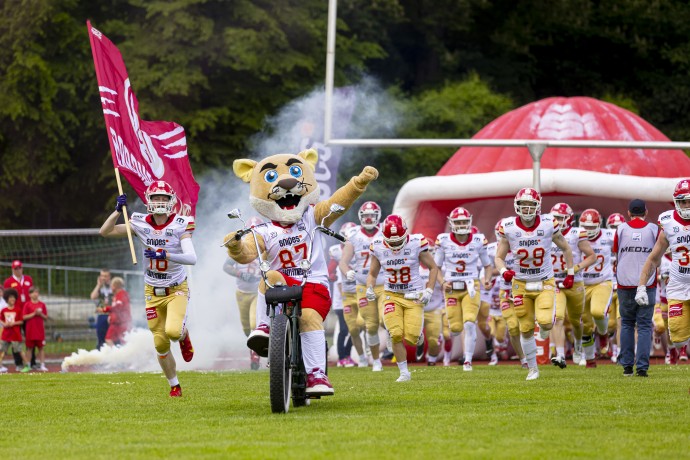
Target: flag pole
(124,212)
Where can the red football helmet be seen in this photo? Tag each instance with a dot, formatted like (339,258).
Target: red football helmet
(460,221)
(369,215)
(563,214)
(530,205)
(615,220)
(496,229)
(347,229)
(681,197)
(395,232)
(156,189)
(590,221)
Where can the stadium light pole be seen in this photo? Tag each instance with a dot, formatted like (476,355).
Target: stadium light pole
(535,148)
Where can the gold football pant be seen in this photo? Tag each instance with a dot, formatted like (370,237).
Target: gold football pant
(498,327)
(534,305)
(597,304)
(572,300)
(166,315)
(660,318)
(371,312)
(509,313)
(432,328)
(246,303)
(679,320)
(403,318)
(462,308)
(613,313)
(354,321)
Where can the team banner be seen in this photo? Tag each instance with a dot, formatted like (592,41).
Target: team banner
(144,151)
(312,137)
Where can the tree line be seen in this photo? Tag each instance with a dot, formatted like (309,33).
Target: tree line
(220,68)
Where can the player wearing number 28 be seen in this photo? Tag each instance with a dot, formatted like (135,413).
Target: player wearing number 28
(167,239)
(283,189)
(529,236)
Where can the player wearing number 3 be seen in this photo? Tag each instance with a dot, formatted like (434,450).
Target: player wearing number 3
(399,254)
(167,239)
(529,236)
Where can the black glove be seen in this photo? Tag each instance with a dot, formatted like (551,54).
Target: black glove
(120,201)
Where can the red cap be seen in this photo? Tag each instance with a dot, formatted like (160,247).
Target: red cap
(17,264)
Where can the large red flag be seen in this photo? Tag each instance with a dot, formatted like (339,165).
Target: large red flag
(144,151)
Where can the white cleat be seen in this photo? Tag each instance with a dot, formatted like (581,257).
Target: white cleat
(3,369)
(377,366)
(467,366)
(494,359)
(533,374)
(363,362)
(446,359)
(577,355)
(614,358)
(404,377)
(583,361)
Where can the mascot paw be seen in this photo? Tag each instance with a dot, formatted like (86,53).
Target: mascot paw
(368,174)
(230,242)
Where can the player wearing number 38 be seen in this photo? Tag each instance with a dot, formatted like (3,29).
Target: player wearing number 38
(529,236)
(283,189)
(167,239)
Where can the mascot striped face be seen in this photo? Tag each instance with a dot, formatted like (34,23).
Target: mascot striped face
(281,187)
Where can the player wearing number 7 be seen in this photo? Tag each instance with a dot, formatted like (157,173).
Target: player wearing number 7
(529,236)
(167,239)
(398,255)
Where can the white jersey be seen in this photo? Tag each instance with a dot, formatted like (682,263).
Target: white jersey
(531,247)
(401,267)
(573,236)
(361,260)
(287,246)
(602,269)
(677,231)
(484,295)
(162,273)
(437,300)
(460,261)
(249,286)
(664,274)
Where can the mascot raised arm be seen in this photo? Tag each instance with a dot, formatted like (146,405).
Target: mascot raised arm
(283,189)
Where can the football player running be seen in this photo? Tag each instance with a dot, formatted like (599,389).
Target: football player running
(167,240)
(572,299)
(490,300)
(246,291)
(400,254)
(613,221)
(598,282)
(458,254)
(356,252)
(529,236)
(674,235)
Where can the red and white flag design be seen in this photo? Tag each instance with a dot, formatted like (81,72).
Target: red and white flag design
(144,151)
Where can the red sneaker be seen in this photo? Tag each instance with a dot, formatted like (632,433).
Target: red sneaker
(176,391)
(673,352)
(683,355)
(187,348)
(258,340)
(591,363)
(318,384)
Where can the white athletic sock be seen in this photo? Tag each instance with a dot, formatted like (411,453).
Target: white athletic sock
(261,316)
(470,340)
(588,345)
(578,344)
(402,366)
(529,347)
(615,350)
(173,381)
(167,363)
(431,359)
(314,350)
(560,352)
(602,325)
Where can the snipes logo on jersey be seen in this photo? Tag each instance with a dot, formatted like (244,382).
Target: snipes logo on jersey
(155,242)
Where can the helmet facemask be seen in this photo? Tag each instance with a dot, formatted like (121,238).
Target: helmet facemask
(527,209)
(461,226)
(682,203)
(156,205)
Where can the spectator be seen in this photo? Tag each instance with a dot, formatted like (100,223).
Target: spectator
(21,283)
(632,244)
(35,314)
(11,322)
(120,319)
(103,295)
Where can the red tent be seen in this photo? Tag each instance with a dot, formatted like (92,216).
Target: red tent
(485,179)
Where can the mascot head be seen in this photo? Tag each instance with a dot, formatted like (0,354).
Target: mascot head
(281,187)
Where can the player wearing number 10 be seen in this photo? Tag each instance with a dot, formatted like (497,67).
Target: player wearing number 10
(529,236)
(167,238)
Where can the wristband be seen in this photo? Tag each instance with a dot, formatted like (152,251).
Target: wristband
(502,270)
(571,271)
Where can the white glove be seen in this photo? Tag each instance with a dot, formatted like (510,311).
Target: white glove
(641,296)
(426,296)
(350,275)
(371,295)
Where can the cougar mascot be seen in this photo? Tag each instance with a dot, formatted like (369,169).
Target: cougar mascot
(283,189)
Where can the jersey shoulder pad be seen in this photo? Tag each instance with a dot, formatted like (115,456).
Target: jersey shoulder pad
(138,216)
(665,217)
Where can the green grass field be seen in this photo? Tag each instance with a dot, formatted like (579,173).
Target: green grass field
(442,413)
